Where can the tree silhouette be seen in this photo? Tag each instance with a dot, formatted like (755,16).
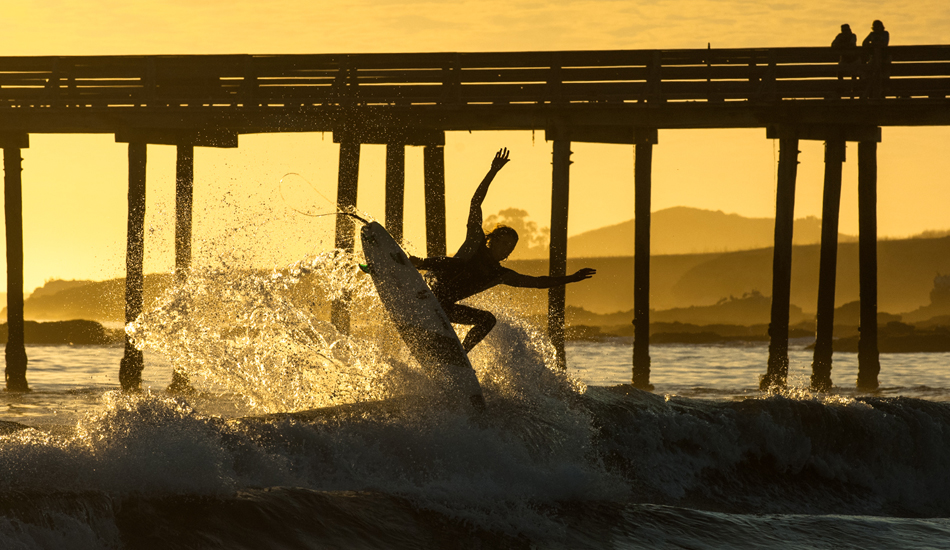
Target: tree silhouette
(532,239)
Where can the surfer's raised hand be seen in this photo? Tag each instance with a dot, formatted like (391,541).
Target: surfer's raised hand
(501,159)
(585,273)
(474,232)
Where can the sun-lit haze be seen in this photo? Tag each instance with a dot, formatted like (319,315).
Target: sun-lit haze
(75,186)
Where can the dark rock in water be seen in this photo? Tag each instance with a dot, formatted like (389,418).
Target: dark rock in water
(705,337)
(897,337)
(76,332)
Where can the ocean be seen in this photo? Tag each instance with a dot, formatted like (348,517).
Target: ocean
(296,436)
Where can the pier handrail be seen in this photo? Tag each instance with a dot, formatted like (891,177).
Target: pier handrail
(459,79)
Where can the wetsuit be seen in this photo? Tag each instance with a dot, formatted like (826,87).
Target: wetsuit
(473,270)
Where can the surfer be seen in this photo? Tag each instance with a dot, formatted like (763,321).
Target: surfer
(476,266)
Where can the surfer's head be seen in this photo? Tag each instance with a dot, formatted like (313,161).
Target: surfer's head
(501,241)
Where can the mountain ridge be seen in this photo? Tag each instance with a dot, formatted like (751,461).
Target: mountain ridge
(685,230)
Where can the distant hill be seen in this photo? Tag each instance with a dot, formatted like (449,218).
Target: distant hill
(684,230)
(102,301)
(56,285)
(906,271)
(685,282)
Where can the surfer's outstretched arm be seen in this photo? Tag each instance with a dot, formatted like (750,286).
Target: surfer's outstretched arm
(513,278)
(475,212)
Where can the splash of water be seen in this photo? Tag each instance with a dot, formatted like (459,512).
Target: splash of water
(264,336)
(259,334)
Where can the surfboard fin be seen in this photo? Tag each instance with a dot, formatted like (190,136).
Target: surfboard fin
(364,268)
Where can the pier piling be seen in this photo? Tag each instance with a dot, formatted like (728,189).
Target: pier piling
(15,352)
(395,188)
(560,194)
(345,232)
(643,168)
(184,198)
(777,372)
(869,363)
(130,368)
(433,159)
(828,265)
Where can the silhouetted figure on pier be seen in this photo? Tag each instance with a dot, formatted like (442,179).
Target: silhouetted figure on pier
(846,44)
(878,37)
(878,62)
(476,267)
(846,41)
(849,62)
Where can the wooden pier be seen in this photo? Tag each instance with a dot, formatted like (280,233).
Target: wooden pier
(620,97)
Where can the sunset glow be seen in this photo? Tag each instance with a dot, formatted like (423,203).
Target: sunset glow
(75,185)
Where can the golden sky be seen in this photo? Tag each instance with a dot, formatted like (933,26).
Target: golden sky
(75,185)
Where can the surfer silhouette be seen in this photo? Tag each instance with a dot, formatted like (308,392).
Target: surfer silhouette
(476,266)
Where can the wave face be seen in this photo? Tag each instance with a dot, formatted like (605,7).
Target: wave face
(340,441)
(610,465)
(780,454)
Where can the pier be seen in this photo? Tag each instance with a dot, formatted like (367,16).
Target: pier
(403,99)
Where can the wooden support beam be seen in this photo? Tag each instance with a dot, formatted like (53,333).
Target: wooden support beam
(210,137)
(625,135)
(16,359)
(828,265)
(388,134)
(869,362)
(130,368)
(395,188)
(14,140)
(184,195)
(345,233)
(777,372)
(560,193)
(643,168)
(825,132)
(434,169)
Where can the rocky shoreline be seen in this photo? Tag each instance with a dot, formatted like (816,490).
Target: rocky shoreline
(76,332)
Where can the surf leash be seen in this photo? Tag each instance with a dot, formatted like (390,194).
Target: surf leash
(340,211)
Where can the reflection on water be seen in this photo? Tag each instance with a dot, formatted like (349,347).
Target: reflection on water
(732,371)
(69,381)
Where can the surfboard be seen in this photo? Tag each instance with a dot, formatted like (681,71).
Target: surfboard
(417,315)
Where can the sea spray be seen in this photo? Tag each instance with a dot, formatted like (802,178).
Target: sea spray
(259,334)
(263,336)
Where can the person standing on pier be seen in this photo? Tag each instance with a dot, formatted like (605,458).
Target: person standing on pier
(878,37)
(476,267)
(878,64)
(846,44)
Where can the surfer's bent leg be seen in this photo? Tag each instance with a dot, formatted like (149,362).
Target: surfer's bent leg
(482,322)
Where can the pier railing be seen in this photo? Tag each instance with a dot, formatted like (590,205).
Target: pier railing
(462,79)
